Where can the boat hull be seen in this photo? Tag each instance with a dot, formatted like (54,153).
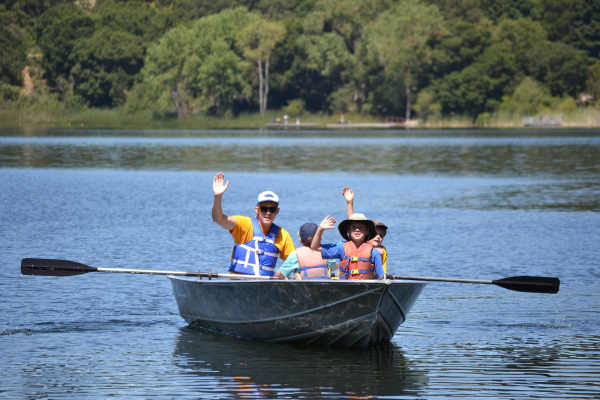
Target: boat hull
(340,313)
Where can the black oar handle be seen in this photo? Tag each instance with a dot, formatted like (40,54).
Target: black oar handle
(530,284)
(50,267)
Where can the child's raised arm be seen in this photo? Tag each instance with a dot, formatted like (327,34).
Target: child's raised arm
(328,223)
(349,196)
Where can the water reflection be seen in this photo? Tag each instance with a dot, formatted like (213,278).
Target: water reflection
(250,369)
(456,156)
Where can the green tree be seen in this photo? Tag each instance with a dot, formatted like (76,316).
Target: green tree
(593,83)
(142,20)
(529,97)
(106,63)
(400,37)
(222,74)
(170,67)
(201,65)
(462,44)
(58,31)
(510,9)
(105,66)
(560,66)
(334,44)
(259,40)
(575,22)
(223,77)
(12,57)
(479,87)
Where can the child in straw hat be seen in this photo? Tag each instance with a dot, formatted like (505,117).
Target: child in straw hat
(359,259)
(379,226)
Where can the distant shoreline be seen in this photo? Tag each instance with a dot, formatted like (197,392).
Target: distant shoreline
(119,119)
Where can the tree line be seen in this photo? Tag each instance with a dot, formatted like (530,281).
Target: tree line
(412,58)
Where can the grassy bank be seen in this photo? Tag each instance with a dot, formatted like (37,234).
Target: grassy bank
(118,119)
(581,117)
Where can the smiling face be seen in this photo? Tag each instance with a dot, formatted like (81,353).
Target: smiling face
(267,216)
(376,241)
(357,232)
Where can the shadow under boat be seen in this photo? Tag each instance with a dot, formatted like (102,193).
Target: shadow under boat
(341,313)
(250,369)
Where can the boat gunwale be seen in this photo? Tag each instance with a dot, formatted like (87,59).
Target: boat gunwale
(298,281)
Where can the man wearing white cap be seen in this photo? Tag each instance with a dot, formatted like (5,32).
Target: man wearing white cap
(258,241)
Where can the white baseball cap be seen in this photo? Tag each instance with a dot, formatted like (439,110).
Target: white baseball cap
(268,196)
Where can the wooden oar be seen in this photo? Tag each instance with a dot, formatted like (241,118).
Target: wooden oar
(49,267)
(531,284)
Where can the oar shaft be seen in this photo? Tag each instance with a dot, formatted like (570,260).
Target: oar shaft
(430,278)
(178,273)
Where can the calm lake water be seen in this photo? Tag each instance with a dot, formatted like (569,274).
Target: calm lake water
(463,204)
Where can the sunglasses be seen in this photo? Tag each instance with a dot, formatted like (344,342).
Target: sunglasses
(264,209)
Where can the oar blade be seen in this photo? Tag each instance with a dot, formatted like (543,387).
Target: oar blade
(48,267)
(531,284)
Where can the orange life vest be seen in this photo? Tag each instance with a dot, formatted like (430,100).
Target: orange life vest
(312,265)
(357,262)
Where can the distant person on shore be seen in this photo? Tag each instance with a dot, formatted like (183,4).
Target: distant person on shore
(359,260)
(304,262)
(258,241)
(379,226)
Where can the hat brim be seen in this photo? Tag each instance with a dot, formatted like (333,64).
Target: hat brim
(380,225)
(343,228)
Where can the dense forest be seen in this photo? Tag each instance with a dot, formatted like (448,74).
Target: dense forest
(412,58)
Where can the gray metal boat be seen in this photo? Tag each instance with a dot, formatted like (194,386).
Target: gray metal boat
(341,313)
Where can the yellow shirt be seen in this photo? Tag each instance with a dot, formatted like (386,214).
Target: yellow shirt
(242,233)
(384,260)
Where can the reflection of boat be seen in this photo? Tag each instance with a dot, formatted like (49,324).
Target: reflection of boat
(227,367)
(341,313)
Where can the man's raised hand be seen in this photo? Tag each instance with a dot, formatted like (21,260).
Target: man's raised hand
(328,223)
(348,194)
(218,187)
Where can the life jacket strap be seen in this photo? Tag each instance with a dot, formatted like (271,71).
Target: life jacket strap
(263,239)
(361,271)
(314,266)
(304,272)
(258,251)
(356,259)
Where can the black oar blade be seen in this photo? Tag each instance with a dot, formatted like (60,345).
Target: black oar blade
(532,284)
(46,267)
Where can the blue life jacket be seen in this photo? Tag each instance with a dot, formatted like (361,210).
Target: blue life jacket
(259,255)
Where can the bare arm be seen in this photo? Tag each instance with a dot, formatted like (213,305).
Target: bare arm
(219,188)
(349,196)
(281,276)
(328,223)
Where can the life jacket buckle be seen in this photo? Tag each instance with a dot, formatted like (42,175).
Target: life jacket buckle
(354,259)
(354,272)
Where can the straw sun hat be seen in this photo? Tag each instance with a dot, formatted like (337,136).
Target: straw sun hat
(343,226)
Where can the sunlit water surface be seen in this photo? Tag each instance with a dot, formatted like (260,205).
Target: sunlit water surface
(465,204)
